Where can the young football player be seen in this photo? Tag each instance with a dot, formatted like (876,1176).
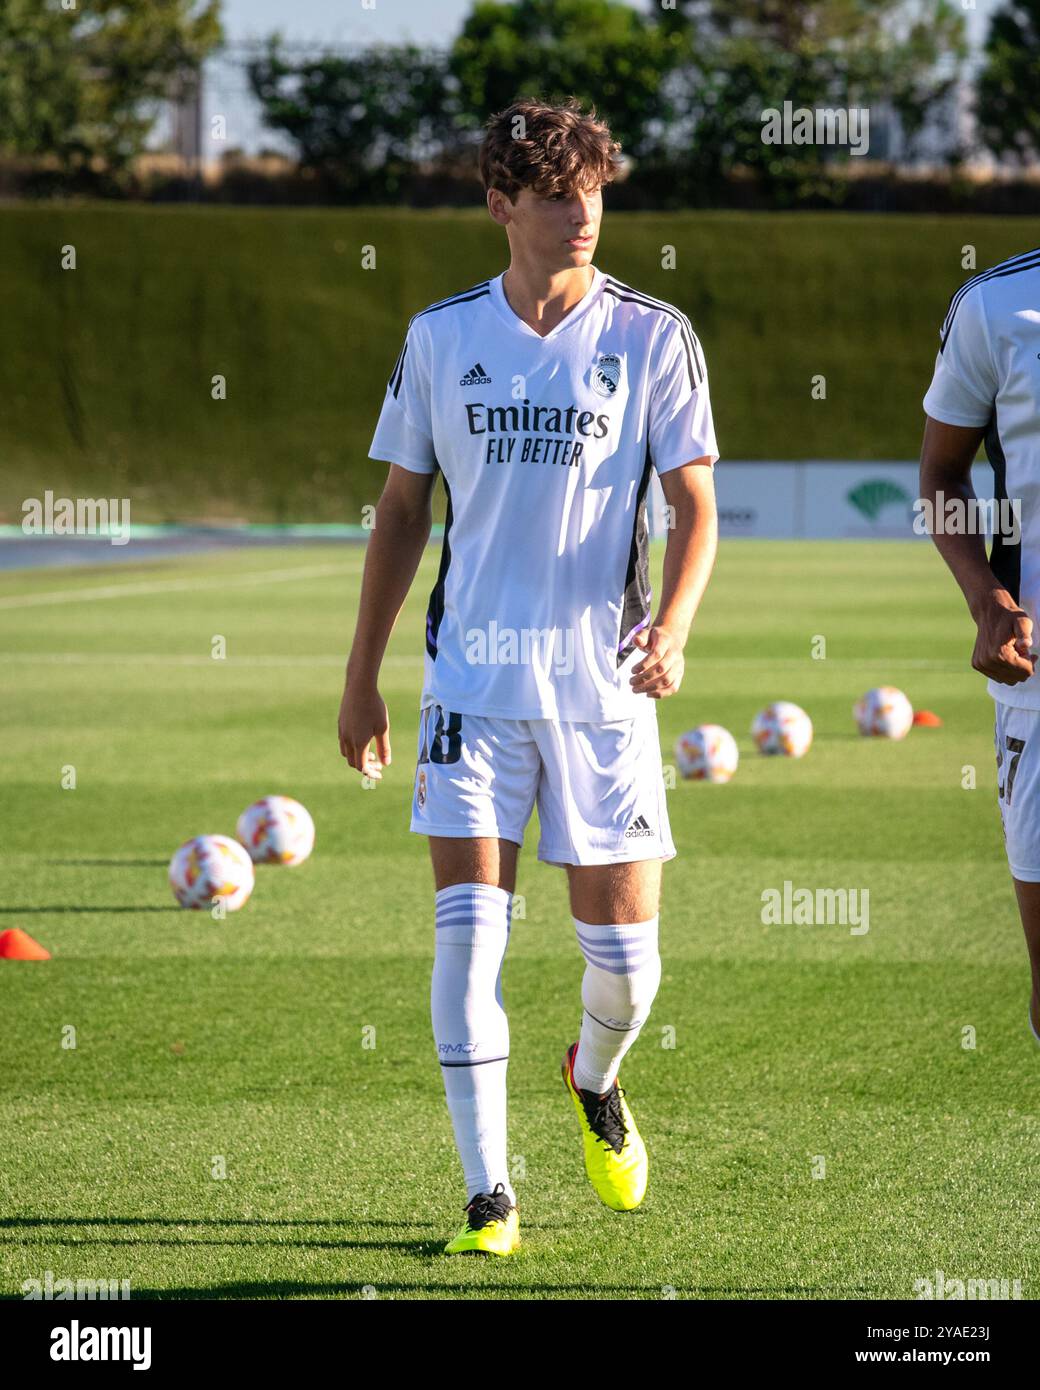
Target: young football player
(986,389)
(544,398)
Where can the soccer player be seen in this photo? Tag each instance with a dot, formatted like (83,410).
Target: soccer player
(986,388)
(543,397)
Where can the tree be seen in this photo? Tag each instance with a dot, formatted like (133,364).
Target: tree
(1006,105)
(753,55)
(82,83)
(362,119)
(601,51)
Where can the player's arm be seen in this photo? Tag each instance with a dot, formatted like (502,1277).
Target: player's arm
(959,405)
(395,548)
(1004,630)
(688,559)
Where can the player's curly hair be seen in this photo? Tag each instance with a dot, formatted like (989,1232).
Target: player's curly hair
(549,149)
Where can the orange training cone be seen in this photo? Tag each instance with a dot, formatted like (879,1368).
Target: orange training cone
(925,718)
(16,944)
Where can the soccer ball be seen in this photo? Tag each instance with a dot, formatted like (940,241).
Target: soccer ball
(783,728)
(884,712)
(211,867)
(707,754)
(276,830)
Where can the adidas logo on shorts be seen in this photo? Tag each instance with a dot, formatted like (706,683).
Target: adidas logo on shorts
(476,376)
(640,826)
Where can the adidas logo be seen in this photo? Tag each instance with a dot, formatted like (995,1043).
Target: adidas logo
(640,826)
(476,376)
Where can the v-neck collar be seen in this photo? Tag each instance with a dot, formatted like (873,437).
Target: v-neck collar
(513,319)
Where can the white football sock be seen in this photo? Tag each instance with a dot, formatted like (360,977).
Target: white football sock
(622,973)
(470,1026)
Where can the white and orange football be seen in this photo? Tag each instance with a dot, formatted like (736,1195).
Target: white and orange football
(707,754)
(883,712)
(782,729)
(276,830)
(210,869)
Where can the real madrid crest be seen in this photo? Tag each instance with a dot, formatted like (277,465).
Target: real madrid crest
(606,374)
(420,790)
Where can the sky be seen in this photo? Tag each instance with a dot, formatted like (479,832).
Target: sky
(426,21)
(347,21)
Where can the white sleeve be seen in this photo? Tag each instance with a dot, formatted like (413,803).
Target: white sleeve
(404,431)
(964,385)
(681,427)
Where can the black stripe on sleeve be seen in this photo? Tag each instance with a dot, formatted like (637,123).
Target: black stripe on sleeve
(1028,262)
(397,375)
(1005,556)
(691,345)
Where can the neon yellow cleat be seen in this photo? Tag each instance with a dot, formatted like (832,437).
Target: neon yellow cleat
(615,1156)
(492,1226)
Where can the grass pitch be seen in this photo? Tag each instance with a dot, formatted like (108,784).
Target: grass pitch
(246,1048)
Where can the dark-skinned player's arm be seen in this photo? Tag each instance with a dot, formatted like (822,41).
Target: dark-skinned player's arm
(402,528)
(1005,632)
(688,559)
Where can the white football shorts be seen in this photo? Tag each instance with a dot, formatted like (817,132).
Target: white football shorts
(1017,738)
(599,787)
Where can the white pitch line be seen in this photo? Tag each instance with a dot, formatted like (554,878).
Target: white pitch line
(169,586)
(162,659)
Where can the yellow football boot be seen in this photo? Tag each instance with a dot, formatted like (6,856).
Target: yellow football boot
(615,1156)
(492,1226)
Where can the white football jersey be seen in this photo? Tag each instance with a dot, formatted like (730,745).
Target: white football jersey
(545,445)
(987,372)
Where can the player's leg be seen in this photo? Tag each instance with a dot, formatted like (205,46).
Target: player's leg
(1017,738)
(475,879)
(475,785)
(615,911)
(480,860)
(602,807)
(615,892)
(1028,895)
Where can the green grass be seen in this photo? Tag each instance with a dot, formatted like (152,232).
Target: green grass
(110,391)
(245,1040)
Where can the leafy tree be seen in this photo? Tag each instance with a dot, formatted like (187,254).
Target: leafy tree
(1006,90)
(378,112)
(81,83)
(753,55)
(602,51)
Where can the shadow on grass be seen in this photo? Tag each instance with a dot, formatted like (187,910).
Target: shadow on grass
(456,1288)
(423,1248)
(15,911)
(114,863)
(10,1222)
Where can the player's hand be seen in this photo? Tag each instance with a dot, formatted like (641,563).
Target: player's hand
(660,672)
(362,718)
(1005,636)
